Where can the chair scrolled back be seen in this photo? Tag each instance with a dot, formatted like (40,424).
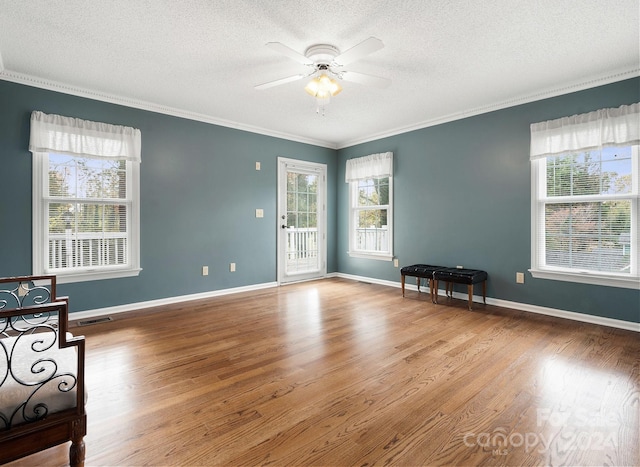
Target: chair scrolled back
(24,291)
(41,371)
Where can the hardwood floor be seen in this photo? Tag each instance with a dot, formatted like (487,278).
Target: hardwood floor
(338,373)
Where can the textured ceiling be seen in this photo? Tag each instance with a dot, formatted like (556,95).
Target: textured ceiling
(201,58)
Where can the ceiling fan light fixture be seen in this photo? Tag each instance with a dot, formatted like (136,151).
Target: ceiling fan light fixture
(322,87)
(327,61)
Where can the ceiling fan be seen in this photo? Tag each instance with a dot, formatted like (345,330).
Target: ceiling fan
(326,63)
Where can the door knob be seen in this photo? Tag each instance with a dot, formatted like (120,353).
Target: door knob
(283,226)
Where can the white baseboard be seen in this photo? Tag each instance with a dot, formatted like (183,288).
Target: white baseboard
(82,315)
(614,323)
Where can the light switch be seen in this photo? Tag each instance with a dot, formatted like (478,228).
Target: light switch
(257,165)
(259,212)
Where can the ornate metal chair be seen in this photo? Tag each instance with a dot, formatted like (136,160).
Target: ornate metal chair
(42,393)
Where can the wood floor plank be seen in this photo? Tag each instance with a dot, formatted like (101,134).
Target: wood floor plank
(337,373)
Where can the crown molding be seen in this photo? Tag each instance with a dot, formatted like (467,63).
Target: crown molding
(34,81)
(42,83)
(552,92)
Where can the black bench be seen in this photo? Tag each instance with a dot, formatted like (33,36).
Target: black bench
(420,271)
(460,276)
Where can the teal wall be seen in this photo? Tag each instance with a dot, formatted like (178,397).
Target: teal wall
(199,190)
(463,197)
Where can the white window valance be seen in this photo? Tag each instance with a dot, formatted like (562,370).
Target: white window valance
(606,127)
(55,133)
(371,166)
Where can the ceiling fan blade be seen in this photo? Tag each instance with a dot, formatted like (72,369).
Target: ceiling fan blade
(289,52)
(358,51)
(368,80)
(278,82)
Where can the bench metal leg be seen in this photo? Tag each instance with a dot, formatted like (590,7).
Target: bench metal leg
(434,297)
(484,292)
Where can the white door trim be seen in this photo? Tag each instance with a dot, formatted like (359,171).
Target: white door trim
(285,164)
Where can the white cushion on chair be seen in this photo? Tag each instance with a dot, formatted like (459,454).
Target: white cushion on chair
(45,375)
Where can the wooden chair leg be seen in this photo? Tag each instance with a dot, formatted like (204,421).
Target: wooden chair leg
(470,289)
(77,448)
(402,283)
(418,283)
(76,454)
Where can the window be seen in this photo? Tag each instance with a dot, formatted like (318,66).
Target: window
(370,181)
(85,198)
(585,208)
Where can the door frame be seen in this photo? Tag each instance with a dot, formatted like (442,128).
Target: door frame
(312,168)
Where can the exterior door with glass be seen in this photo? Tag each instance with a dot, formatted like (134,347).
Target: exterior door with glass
(301,220)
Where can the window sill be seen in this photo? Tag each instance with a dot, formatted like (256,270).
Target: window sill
(69,278)
(588,278)
(379,257)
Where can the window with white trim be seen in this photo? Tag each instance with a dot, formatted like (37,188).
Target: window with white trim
(585,198)
(85,198)
(370,181)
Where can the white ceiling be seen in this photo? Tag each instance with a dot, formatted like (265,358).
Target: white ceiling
(201,58)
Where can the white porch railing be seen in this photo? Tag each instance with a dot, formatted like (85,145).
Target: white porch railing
(302,249)
(110,248)
(372,239)
(87,249)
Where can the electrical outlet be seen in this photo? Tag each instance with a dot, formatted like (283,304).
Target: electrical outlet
(395,263)
(232,267)
(520,277)
(259,212)
(205,270)
(257,165)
